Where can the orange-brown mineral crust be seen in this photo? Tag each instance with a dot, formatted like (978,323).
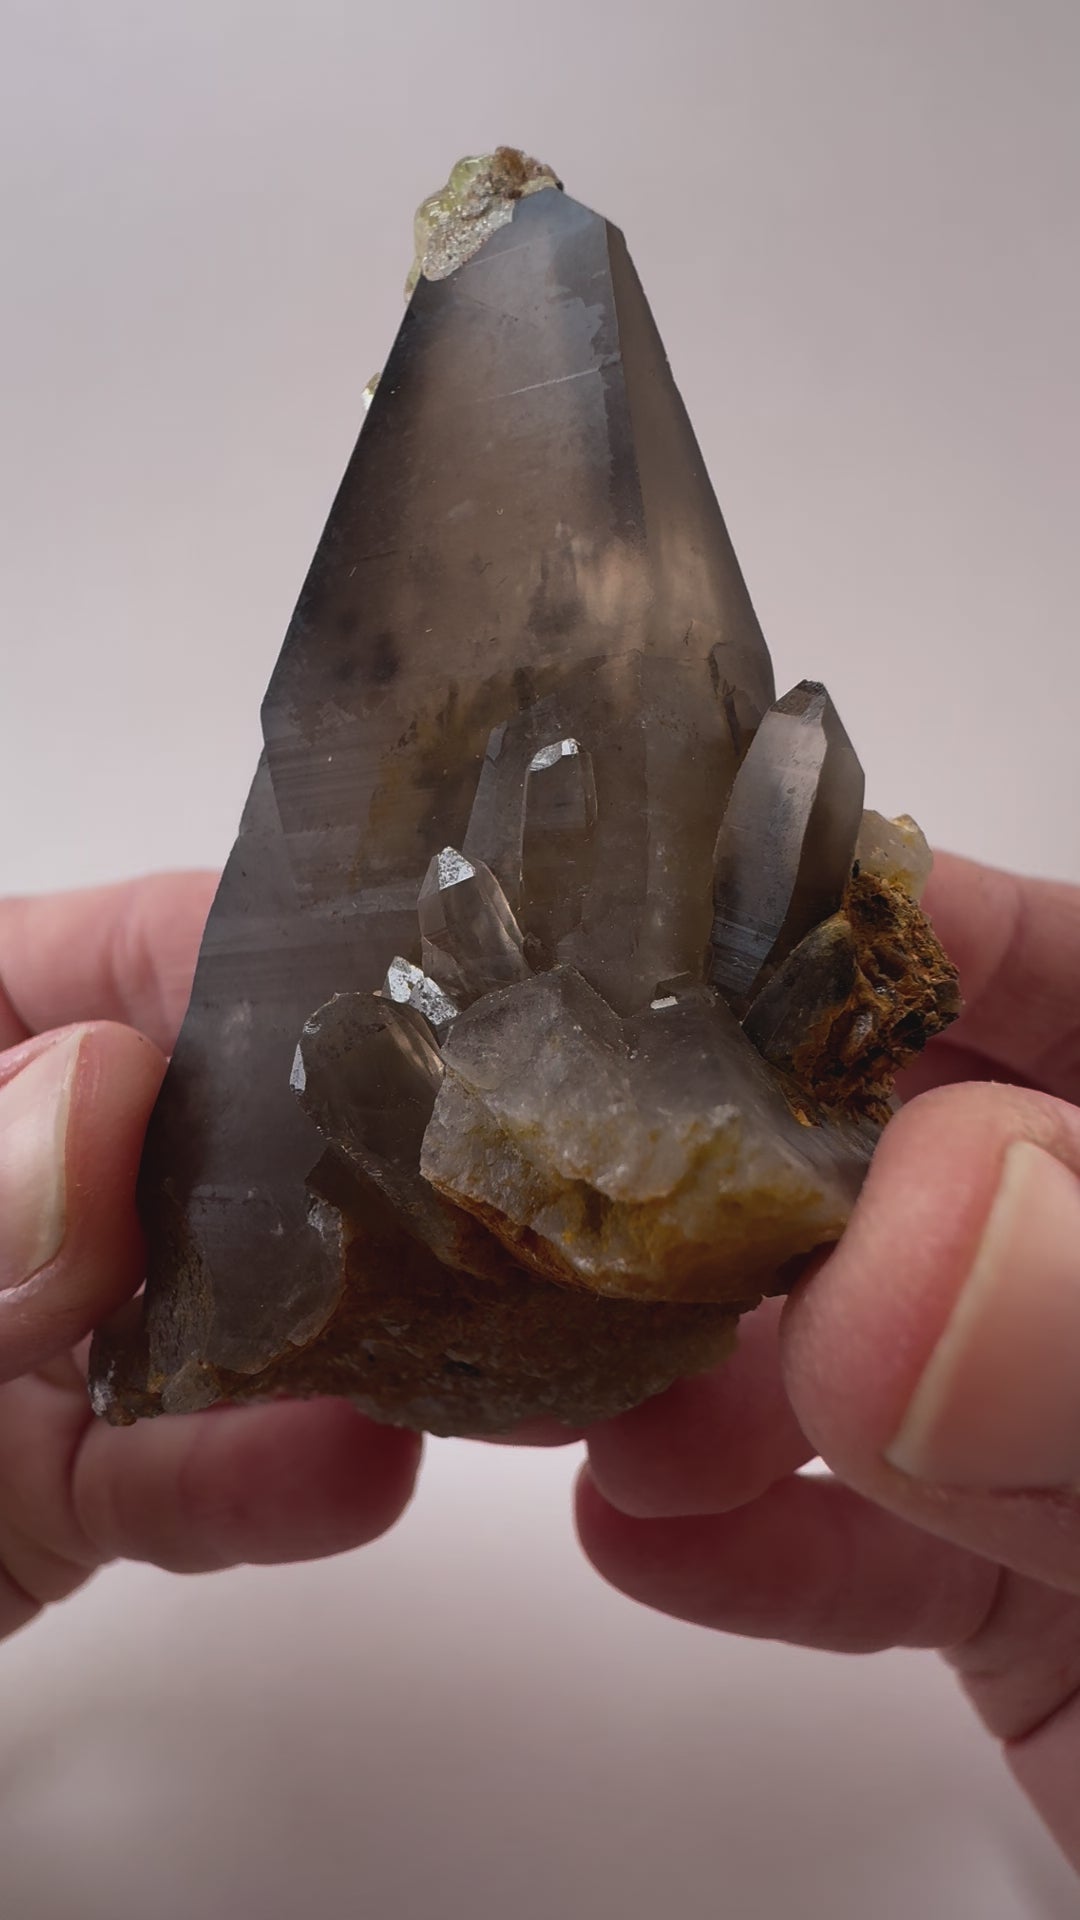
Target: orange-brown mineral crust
(876,986)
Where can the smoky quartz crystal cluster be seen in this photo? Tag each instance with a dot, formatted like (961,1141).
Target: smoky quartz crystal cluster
(550,1004)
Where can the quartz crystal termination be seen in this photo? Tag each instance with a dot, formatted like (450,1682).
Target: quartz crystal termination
(787,842)
(550,999)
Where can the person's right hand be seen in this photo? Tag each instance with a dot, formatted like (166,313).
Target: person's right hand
(92,988)
(933,1360)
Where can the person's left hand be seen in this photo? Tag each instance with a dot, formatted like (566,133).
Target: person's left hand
(92,988)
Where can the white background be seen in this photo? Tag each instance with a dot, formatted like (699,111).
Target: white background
(857,224)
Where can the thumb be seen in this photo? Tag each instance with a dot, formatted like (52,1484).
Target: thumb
(73,1110)
(934,1360)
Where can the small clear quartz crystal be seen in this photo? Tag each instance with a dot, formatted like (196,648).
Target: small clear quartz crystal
(895,850)
(550,1002)
(468,934)
(411,986)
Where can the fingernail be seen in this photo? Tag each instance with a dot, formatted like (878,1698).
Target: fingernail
(998,1404)
(34,1110)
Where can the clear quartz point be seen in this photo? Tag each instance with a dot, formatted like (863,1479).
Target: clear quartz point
(471,940)
(408,985)
(559,829)
(894,850)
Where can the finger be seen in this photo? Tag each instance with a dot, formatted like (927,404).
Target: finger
(124,953)
(933,1359)
(813,1563)
(541,1432)
(290,1481)
(1044,1763)
(1022,1673)
(73,1111)
(708,1443)
(810,1562)
(1024,1660)
(946,1065)
(1016,943)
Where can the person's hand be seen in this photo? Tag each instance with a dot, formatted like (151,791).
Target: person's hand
(92,987)
(933,1360)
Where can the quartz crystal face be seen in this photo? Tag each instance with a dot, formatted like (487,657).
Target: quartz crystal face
(550,1003)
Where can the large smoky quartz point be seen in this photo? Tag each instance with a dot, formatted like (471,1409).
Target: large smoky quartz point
(550,1003)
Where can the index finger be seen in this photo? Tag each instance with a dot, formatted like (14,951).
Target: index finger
(124,953)
(1016,944)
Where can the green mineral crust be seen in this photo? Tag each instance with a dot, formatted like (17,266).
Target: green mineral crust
(477,200)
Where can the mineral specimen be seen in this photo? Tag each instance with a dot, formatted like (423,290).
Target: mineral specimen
(550,1002)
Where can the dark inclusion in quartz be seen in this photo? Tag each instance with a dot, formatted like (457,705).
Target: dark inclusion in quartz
(550,1001)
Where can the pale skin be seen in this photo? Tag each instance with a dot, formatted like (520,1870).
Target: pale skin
(693,1503)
